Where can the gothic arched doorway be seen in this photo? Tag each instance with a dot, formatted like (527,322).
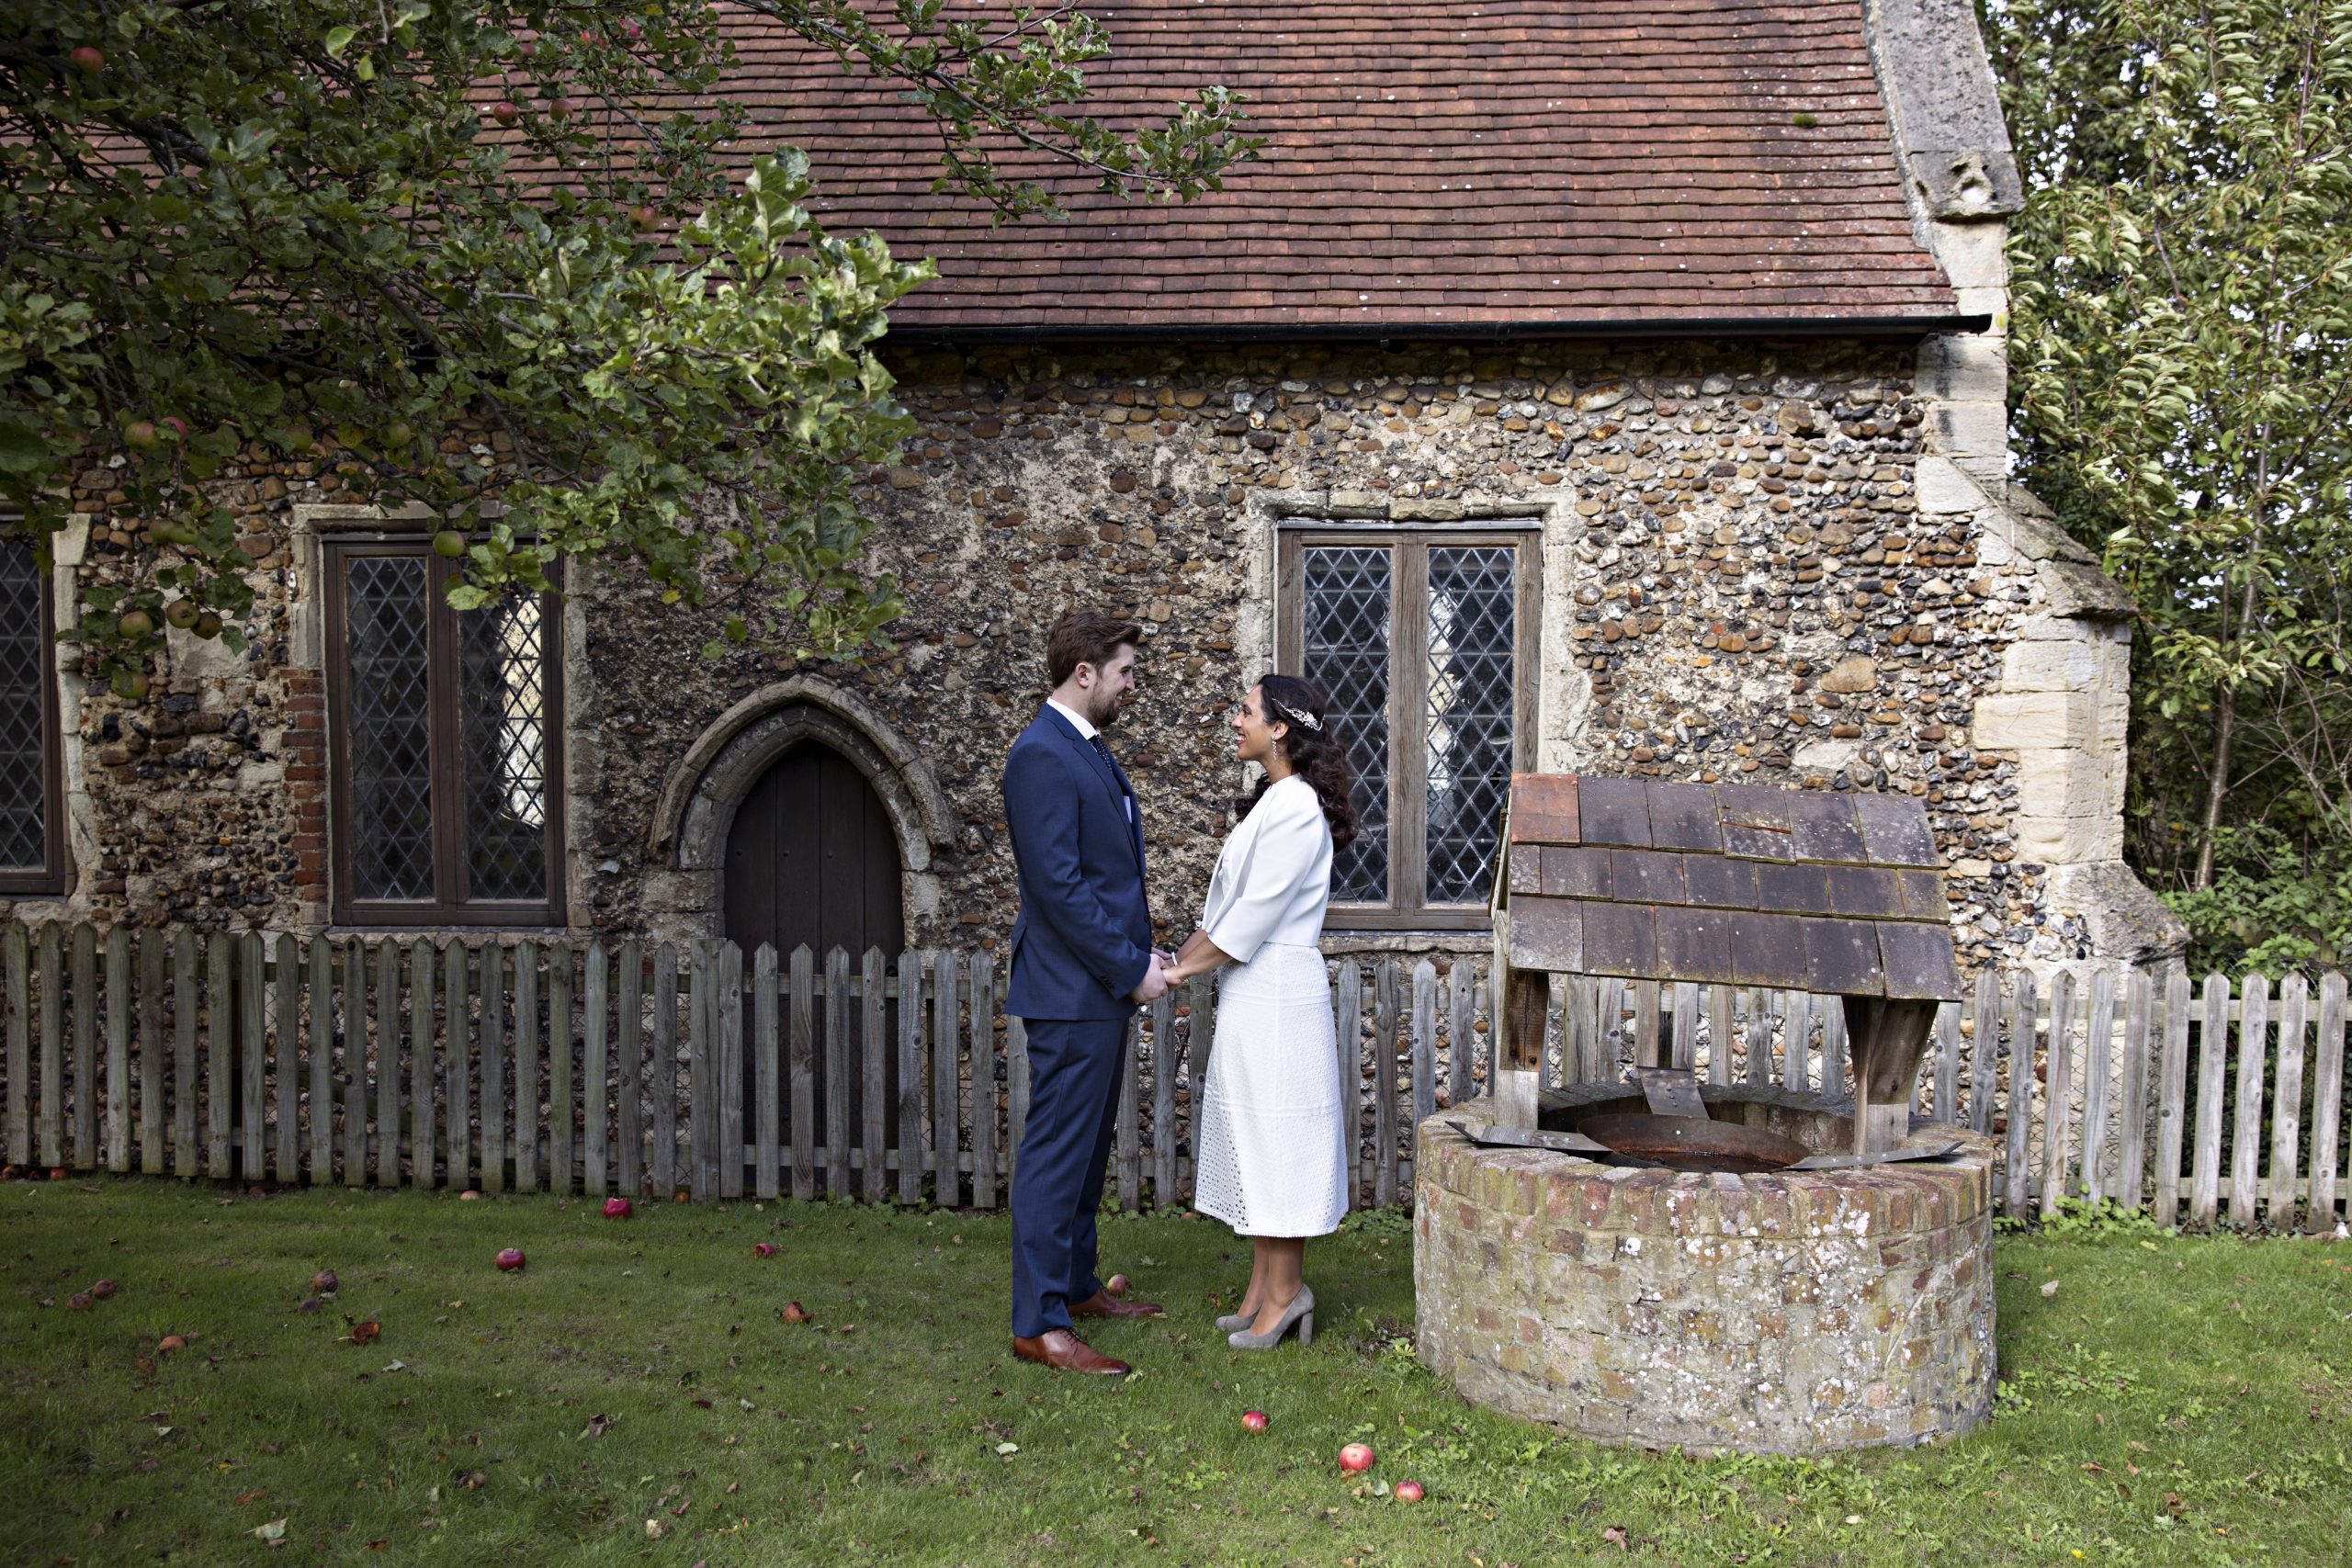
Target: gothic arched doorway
(812,857)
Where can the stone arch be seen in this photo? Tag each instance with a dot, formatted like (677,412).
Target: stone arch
(699,798)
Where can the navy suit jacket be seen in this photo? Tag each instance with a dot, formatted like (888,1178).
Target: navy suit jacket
(1082,942)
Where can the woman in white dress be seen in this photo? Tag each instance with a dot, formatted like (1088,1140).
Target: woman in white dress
(1274,1143)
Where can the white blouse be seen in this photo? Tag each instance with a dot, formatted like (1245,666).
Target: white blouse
(1273,877)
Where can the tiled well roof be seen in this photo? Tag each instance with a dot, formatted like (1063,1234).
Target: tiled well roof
(1841,895)
(1442,166)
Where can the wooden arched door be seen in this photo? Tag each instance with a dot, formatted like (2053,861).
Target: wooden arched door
(812,858)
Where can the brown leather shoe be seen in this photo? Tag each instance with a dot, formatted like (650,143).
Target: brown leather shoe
(1101,1304)
(1066,1352)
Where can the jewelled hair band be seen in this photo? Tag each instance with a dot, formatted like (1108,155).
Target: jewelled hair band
(1306,720)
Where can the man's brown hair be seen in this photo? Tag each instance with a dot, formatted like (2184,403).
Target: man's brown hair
(1086,637)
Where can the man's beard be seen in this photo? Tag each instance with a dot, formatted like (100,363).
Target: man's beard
(1104,712)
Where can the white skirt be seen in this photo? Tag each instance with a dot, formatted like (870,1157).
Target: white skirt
(1273,1138)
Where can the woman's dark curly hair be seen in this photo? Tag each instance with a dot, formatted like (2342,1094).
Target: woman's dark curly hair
(1316,753)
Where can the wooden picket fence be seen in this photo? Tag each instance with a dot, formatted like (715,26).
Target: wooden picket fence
(527,1065)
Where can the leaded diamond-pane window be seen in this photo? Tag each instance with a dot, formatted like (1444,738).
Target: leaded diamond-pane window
(1472,694)
(1347,650)
(1424,645)
(501,702)
(390,723)
(445,742)
(32,841)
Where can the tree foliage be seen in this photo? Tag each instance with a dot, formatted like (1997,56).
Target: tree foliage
(371,235)
(2182,388)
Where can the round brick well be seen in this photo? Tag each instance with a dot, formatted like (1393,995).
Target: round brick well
(1795,1312)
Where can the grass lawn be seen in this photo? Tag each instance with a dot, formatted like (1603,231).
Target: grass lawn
(2171,1401)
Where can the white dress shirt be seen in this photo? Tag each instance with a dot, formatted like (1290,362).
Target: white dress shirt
(1078,720)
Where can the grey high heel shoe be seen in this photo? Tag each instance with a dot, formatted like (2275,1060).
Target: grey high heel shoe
(1301,1312)
(1235,1320)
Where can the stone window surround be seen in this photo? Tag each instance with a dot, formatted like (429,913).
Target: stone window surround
(313,526)
(1549,513)
(687,843)
(55,877)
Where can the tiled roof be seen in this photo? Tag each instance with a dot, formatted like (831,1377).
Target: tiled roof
(1447,166)
(1727,885)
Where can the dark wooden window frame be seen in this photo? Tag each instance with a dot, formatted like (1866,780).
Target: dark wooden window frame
(49,877)
(1408,690)
(449,907)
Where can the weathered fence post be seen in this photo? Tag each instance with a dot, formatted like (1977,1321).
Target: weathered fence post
(628,1080)
(837,988)
(85,983)
(911,1080)
(527,1067)
(2212,1053)
(728,1147)
(2098,1046)
(2172,1096)
(20,1060)
(2327,1090)
(804,1073)
(321,1048)
(665,1071)
(420,1043)
(2287,1109)
(767,1056)
(2057,1090)
(118,1008)
(2023,1023)
(875,1060)
(2246,1148)
(458,1024)
(288,1152)
(493,1068)
(562,1094)
(595,1071)
(946,1081)
(984,1171)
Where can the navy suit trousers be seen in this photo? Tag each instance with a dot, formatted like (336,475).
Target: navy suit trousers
(1058,1171)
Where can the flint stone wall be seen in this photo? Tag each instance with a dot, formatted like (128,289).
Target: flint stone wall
(1753,568)
(1799,1312)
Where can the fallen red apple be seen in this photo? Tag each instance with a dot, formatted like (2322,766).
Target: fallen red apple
(1408,1491)
(103,1289)
(510,1259)
(1356,1457)
(78,1302)
(763,1250)
(361,1333)
(618,1208)
(794,1312)
(58,1172)
(309,1304)
(467,1195)
(1116,1285)
(323,1281)
(169,1343)
(1256,1420)
(680,1196)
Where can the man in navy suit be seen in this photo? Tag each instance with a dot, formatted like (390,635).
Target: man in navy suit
(1082,961)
